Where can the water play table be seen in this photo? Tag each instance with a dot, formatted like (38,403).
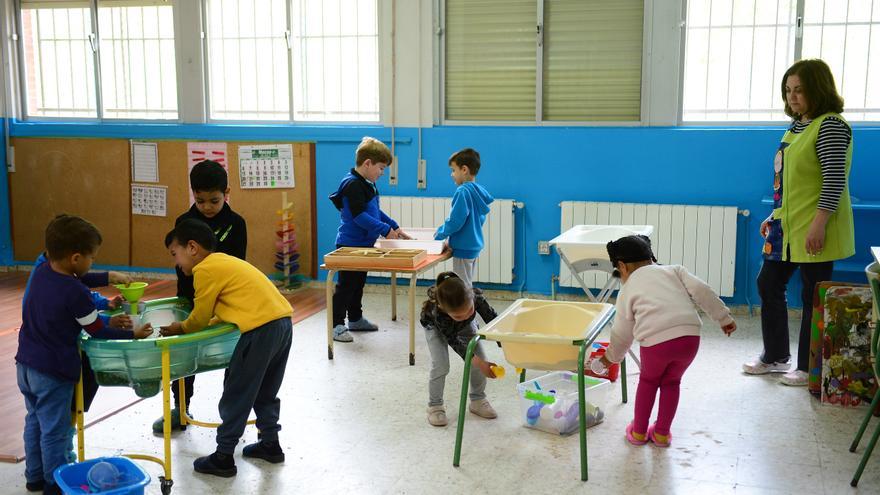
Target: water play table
(150,365)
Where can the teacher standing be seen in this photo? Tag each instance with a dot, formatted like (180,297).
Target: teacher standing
(811,225)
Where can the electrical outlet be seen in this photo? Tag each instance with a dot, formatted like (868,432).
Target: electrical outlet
(543,247)
(392,173)
(423,174)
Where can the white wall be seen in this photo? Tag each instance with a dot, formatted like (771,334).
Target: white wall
(413,54)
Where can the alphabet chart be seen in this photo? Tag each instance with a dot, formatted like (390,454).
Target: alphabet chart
(148,200)
(266,166)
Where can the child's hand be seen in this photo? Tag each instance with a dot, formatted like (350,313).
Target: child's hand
(402,235)
(392,234)
(143,331)
(115,302)
(729,328)
(605,362)
(119,278)
(447,248)
(484,366)
(173,329)
(121,321)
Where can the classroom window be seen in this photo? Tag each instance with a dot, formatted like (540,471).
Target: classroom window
(736,52)
(303,60)
(138,73)
(58,59)
(134,44)
(528,60)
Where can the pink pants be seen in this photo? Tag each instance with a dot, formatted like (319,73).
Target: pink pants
(662,367)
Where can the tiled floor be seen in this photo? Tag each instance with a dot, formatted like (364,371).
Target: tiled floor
(357,424)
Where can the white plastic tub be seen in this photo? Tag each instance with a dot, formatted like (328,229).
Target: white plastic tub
(583,242)
(539,335)
(550,402)
(421,239)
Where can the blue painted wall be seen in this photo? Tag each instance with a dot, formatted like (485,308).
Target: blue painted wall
(543,166)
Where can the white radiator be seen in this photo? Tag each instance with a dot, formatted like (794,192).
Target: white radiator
(701,238)
(495,264)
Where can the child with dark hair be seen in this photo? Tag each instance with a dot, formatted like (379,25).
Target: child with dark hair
(57,307)
(209,186)
(470,205)
(655,307)
(448,317)
(232,290)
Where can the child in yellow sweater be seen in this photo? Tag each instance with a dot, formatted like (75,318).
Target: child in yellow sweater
(234,291)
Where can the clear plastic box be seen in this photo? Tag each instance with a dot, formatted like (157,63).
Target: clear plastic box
(550,402)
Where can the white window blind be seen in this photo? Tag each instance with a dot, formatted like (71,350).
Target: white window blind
(335,60)
(59,64)
(138,73)
(593,60)
(248,60)
(845,34)
(490,59)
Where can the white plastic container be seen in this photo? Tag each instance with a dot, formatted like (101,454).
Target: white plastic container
(550,402)
(421,239)
(589,241)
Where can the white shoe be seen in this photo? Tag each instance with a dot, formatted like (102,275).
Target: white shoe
(758,367)
(483,409)
(437,415)
(796,378)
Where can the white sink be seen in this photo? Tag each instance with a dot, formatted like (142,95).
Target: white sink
(583,242)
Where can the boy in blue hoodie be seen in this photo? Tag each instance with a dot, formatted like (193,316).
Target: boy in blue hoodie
(361,223)
(470,204)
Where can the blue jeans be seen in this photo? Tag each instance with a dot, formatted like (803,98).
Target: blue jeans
(47,423)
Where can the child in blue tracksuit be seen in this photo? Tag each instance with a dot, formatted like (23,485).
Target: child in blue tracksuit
(470,204)
(361,223)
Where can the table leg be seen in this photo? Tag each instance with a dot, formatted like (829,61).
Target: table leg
(393,296)
(329,296)
(166,411)
(412,319)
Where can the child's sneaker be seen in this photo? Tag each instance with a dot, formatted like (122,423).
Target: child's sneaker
(217,464)
(159,424)
(35,486)
(631,437)
(437,415)
(796,378)
(362,325)
(268,451)
(341,334)
(483,409)
(758,367)
(657,439)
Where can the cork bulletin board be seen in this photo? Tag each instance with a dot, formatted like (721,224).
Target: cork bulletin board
(92,178)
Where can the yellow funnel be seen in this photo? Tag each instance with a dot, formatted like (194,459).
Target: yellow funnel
(132,293)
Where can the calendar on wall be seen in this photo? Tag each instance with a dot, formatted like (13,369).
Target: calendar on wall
(148,200)
(266,166)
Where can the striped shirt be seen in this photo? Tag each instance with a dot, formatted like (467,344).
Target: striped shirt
(831,145)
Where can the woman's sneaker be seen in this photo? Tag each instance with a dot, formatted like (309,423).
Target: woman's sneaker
(437,415)
(758,367)
(796,378)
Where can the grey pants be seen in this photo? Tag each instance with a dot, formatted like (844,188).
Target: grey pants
(464,268)
(439,350)
(256,371)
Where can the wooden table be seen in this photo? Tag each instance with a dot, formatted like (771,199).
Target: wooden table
(413,273)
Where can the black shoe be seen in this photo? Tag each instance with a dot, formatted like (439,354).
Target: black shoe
(52,489)
(268,451)
(35,486)
(159,424)
(217,464)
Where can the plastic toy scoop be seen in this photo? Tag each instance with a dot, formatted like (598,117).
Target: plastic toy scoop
(498,370)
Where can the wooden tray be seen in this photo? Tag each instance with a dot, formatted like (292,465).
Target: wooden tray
(364,257)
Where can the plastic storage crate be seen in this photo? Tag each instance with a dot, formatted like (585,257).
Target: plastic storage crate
(138,363)
(550,402)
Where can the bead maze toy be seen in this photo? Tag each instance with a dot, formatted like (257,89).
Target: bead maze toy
(287,256)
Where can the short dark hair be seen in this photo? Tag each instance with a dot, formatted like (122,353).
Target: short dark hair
(70,234)
(208,176)
(629,249)
(817,83)
(467,157)
(191,229)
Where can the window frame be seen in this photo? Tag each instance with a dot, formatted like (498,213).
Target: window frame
(99,117)
(797,51)
(539,120)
